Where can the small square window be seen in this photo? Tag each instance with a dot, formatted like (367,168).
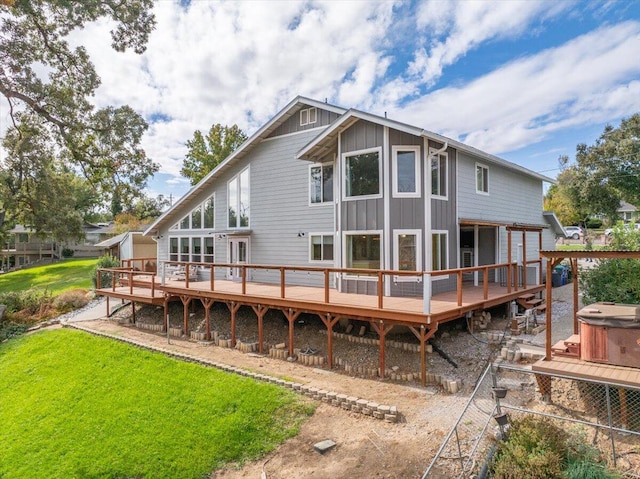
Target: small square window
(308,116)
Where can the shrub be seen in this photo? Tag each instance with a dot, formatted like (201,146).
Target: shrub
(106,261)
(10,330)
(67,252)
(70,300)
(30,301)
(535,449)
(593,223)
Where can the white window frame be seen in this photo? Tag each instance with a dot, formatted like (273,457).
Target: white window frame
(446,236)
(236,178)
(308,116)
(322,166)
(446,174)
(344,253)
(191,253)
(475,175)
(322,235)
(394,167)
(396,255)
(378,150)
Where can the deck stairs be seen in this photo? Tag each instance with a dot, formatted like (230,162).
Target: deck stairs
(567,347)
(529,301)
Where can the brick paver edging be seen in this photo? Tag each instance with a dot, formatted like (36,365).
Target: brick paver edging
(349,403)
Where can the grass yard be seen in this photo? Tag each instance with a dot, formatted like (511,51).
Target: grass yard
(74,405)
(578,247)
(57,278)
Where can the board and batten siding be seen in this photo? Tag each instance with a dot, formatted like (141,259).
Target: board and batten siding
(365,214)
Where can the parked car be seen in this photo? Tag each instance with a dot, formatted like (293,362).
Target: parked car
(626,227)
(574,232)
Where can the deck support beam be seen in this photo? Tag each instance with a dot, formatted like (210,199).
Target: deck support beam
(260,312)
(233,309)
(186,300)
(207,303)
(382,331)
(165,322)
(291,315)
(544,385)
(329,321)
(133,311)
(108,311)
(423,335)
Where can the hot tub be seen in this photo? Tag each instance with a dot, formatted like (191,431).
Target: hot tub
(610,333)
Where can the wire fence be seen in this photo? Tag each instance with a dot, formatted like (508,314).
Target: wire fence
(605,416)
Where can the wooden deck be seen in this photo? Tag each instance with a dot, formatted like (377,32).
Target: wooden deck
(398,310)
(577,368)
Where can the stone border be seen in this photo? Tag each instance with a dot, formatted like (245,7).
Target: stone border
(349,403)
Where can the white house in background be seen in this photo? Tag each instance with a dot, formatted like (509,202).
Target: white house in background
(628,212)
(323,185)
(129,245)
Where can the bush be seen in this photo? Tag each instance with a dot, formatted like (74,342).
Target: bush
(67,253)
(535,449)
(616,280)
(70,300)
(593,223)
(10,330)
(29,301)
(106,261)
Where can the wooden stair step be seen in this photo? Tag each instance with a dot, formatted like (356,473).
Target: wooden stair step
(541,308)
(526,297)
(534,302)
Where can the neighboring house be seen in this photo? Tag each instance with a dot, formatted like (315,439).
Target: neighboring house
(322,185)
(23,247)
(628,212)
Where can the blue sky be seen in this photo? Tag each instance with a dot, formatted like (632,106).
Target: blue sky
(524,80)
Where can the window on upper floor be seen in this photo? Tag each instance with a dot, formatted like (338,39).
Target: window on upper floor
(439,252)
(482,179)
(308,116)
(406,171)
(321,183)
(202,216)
(362,173)
(321,247)
(438,174)
(238,200)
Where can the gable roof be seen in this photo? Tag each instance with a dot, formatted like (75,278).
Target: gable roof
(262,133)
(325,140)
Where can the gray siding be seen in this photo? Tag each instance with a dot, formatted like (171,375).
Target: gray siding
(279,210)
(292,124)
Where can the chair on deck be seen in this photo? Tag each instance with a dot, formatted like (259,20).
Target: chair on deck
(180,274)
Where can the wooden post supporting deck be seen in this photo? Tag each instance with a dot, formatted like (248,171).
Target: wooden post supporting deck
(207,303)
(133,311)
(544,385)
(233,309)
(382,331)
(423,335)
(165,325)
(108,312)
(329,322)
(291,315)
(260,312)
(186,300)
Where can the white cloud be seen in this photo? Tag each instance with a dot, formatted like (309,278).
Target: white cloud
(589,79)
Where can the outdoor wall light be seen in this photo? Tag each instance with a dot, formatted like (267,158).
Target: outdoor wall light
(301,234)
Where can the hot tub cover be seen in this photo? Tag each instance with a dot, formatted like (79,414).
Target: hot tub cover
(612,315)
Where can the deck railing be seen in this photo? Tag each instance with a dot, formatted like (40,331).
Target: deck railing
(129,274)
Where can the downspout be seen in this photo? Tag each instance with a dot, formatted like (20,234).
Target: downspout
(441,150)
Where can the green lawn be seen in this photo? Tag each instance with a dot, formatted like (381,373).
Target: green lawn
(578,247)
(58,277)
(77,406)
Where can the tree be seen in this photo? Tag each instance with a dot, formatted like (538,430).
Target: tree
(53,110)
(608,171)
(205,153)
(147,208)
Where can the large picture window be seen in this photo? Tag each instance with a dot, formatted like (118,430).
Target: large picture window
(407,253)
(363,250)
(406,171)
(439,252)
(482,179)
(202,216)
(208,214)
(439,175)
(321,247)
(238,196)
(362,174)
(194,249)
(321,183)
